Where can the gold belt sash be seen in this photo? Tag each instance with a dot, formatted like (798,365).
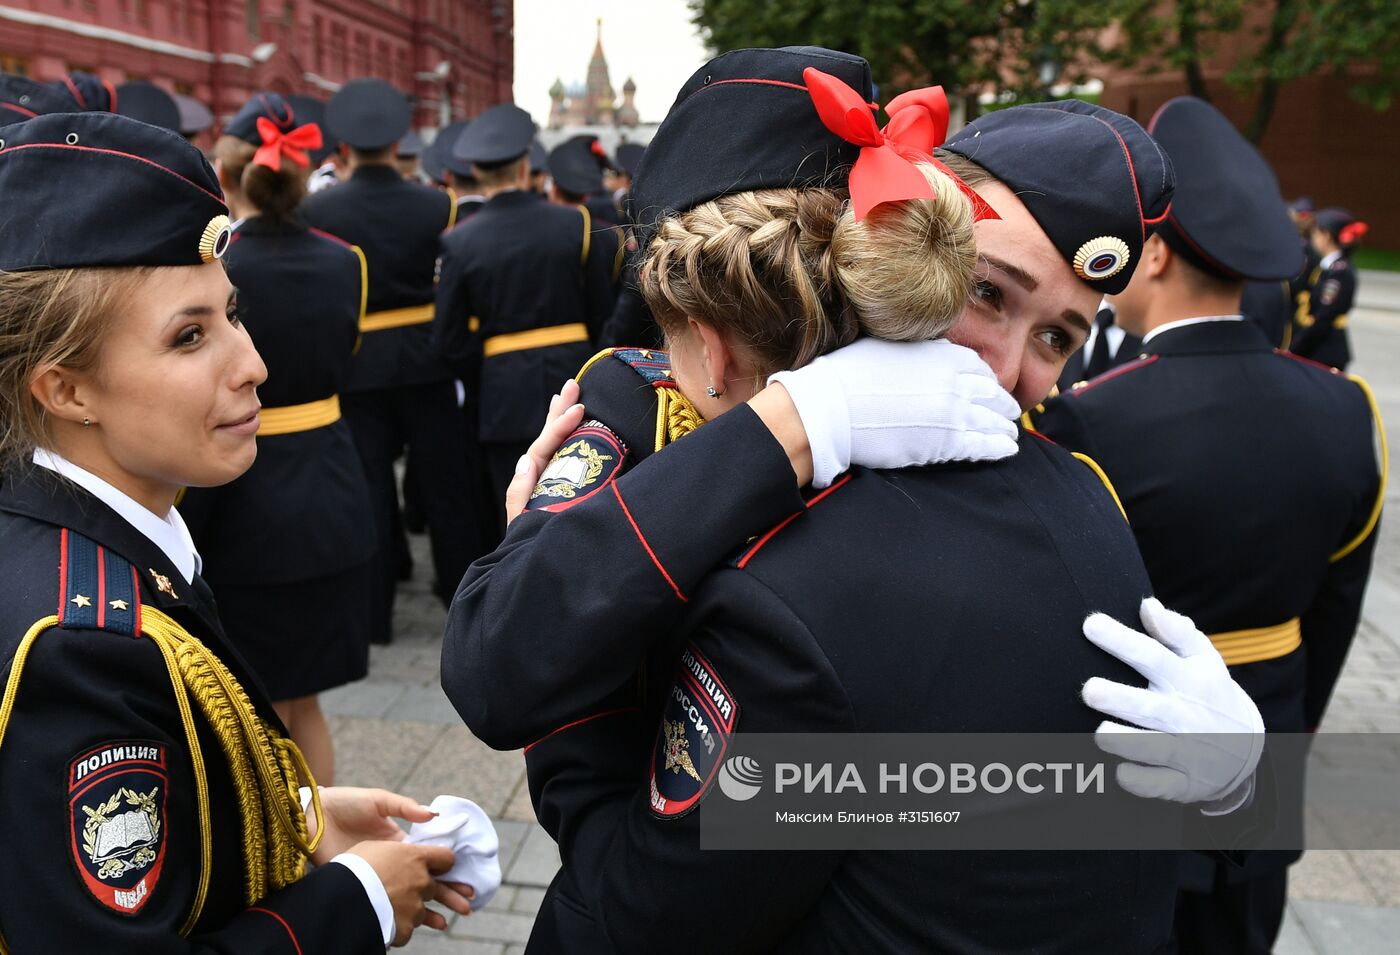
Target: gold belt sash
(1259,643)
(397,318)
(535,338)
(290,419)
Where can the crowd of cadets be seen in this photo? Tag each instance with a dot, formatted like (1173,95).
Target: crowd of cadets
(469,277)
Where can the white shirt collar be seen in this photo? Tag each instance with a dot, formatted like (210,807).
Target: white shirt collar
(1329,258)
(1113,334)
(169,533)
(1182,323)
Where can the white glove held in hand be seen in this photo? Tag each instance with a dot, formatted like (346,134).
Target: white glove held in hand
(463,826)
(1202,734)
(886,404)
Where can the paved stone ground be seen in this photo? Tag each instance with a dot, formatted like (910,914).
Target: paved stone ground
(396,729)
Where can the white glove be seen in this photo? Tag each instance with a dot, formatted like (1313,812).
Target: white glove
(1203,735)
(463,826)
(886,404)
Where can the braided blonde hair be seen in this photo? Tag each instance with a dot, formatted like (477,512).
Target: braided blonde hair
(791,275)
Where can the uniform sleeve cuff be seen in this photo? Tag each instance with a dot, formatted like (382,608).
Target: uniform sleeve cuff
(374,888)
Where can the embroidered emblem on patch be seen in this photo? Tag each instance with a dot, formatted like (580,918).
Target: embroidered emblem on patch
(1329,291)
(588,461)
(116,813)
(696,727)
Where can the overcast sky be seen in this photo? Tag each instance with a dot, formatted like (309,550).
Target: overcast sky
(650,40)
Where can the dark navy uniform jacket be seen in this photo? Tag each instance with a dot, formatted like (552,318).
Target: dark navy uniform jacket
(525,286)
(84,690)
(302,510)
(1251,483)
(1330,296)
(1270,307)
(397,225)
(939,599)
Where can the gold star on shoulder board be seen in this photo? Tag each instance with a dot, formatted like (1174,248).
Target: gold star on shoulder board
(163,583)
(81,601)
(119,605)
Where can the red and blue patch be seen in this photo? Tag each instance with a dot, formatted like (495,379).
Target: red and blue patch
(116,810)
(697,725)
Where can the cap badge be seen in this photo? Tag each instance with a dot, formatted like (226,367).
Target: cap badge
(214,242)
(1101,258)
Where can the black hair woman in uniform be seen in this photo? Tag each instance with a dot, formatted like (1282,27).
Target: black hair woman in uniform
(151,792)
(1323,308)
(756,264)
(287,545)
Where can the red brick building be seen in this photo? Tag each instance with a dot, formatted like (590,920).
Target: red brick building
(453,53)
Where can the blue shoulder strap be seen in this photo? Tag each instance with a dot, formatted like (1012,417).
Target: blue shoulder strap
(653,365)
(98,590)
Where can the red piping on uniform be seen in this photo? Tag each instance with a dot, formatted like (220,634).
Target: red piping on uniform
(62,573)
(743,561)
(792,86)
(136,601)
(1043,437)
(77,94)
(326,235)
(20,109)
(117,152)
(1110,375)
(101,589)
(1132,174)
(580,722)
(290,934)
(1307,361)
(1208,259)
(651,553)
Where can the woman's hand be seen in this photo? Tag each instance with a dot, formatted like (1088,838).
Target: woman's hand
(407,873)
(887,404)
(1193,735)
(359,815)
(565,415)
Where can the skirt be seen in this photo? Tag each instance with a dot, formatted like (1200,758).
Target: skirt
(303,637)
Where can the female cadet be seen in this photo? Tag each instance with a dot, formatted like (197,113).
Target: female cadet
(1331,290)
(287,545)
(749,274)
(149,789)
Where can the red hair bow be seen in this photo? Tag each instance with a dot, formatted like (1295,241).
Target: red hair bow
(886,170)
(1353,232)
(293,144)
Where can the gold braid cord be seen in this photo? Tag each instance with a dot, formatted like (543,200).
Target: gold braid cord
(264,765)
(676,417)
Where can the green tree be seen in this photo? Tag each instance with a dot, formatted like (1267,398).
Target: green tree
(1019,47)
(1281,41)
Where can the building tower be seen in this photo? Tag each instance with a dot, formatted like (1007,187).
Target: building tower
(598,108)
(627,112)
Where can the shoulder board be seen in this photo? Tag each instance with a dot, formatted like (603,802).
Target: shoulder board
(97,589)
(746,553)
(1113,373)
(653,365)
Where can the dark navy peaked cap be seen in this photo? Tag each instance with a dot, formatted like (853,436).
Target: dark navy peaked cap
(195,117)
(1228,217)
(368,114)
(745,121)
(159,201)
(311,110)
(269,106)
(539,157)
(88,91)
(148,103)
(496,137)
(1092,178)
(576,167)
(433,160)
(21,98)
(410,146)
